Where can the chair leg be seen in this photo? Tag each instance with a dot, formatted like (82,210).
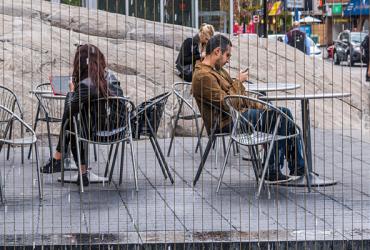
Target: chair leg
(34,129)
(268,157)
(306,172)
(10,137)
(113,163)
(134,164)
(1,188)
(163,159)
(204,158)
(255,161)
(123,145)
(108,160)
(200,141)
(158,157)
(63,158)
(38,172)
(78,154)
(224,144)
(49,138)
(174,128)
(224,165)
(95,154)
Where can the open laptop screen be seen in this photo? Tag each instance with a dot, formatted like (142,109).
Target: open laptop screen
(60,84)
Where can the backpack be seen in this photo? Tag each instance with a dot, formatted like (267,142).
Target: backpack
(296,39)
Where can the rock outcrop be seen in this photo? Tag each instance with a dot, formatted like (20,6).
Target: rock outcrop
(37,39)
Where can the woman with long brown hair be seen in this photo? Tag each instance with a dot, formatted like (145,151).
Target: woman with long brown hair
(90,81)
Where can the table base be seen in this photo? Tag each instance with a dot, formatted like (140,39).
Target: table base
(316,181)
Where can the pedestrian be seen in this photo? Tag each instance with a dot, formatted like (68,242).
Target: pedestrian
(365,48)
(298,39)
(193,50)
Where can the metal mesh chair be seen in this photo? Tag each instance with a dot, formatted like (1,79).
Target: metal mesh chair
(49,110)
(213,135)
(146,119)
(27,138)
(106,121)
(9,100)
(187,111)
(251,135)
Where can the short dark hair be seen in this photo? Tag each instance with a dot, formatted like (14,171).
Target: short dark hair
(218,41)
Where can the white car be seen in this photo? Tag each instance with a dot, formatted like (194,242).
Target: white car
(315,51)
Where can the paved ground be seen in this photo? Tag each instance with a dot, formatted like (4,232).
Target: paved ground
(161,212)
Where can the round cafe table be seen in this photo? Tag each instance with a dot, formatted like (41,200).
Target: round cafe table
(314,179)
(270,87)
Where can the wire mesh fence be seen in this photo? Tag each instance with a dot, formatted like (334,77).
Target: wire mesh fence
(184,124)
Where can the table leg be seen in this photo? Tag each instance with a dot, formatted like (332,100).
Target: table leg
(315,179)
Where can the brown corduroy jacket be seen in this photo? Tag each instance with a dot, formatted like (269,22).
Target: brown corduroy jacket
(209,88)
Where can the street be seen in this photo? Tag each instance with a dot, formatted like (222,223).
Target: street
(356,70)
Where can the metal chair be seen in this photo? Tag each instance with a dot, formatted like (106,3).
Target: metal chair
(245,133)
(49,110)
(146,119)
(213,135)
(106,121)
(12,118)
(9,100)
(186,111)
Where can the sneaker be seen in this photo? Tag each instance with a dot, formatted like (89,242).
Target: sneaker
(275,178)
(85,179)
(53,166)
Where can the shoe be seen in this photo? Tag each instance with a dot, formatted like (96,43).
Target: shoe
(275,178)
(53,166)
(85,179)
(297,172)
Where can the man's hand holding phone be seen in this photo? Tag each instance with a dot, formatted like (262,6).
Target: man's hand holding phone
(244,75)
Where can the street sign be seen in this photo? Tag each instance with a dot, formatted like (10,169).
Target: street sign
(292,4)
(256,18)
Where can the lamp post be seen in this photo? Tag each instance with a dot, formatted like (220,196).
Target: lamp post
(265,18)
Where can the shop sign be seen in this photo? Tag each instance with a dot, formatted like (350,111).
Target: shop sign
(292,4)
(340,20)
(336,9)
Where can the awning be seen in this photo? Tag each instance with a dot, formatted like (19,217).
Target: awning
(357,8)
(275,9)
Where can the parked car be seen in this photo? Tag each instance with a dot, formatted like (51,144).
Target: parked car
(347,47)
(315,51)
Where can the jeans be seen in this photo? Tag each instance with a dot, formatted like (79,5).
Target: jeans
(290,149)
(70,139)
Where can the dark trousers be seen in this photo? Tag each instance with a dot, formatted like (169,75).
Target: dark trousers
(290,149)
(67,120)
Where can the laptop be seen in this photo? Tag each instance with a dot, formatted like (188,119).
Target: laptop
(60,84)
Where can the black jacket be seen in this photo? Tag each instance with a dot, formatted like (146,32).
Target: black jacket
(189,51)
(86,92)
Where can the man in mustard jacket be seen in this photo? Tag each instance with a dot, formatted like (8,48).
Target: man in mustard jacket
(211,84)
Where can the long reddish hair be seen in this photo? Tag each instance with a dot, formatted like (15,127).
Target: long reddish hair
(90,62)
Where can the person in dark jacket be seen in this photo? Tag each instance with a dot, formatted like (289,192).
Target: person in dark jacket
(366,47)
(193,50)
(90,81)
